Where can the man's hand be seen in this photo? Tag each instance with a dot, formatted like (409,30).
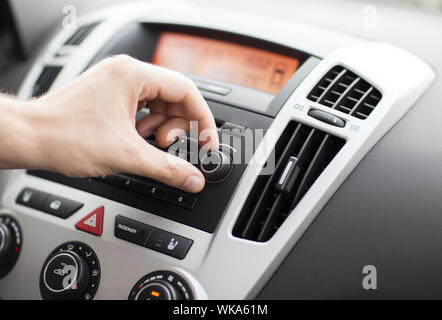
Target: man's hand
(87,128)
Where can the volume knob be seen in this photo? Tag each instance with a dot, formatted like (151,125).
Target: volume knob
(216,166)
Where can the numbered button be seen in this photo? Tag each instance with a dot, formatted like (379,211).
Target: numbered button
(181,200)
(154,192)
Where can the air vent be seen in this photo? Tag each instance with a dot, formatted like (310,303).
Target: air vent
(219,123)
(81,34)
(45,80)
(343,90)
(301,155)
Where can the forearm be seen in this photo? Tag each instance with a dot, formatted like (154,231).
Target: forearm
(18,147)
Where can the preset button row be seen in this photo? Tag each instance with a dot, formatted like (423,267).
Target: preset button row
(176,198)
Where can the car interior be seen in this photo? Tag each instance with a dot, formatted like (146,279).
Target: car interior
(340,196)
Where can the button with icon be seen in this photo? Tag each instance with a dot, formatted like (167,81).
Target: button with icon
(60,207)
(131,230)
(32,198)
(169,243)
(57,206)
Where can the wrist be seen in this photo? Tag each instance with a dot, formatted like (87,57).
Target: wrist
(19,135)
(36,135)
(12,134)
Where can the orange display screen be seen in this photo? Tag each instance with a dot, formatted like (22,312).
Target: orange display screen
(225,61)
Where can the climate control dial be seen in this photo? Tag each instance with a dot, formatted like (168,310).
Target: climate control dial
(71,272)
(10,243)
(161,285)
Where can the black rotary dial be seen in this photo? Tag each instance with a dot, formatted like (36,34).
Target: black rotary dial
(71,272)
(216,166)
(10,243)
(161,285)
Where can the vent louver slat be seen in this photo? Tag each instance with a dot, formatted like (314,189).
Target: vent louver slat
(301,155)
(344,91)
(78,37)
(325,153)
(45,80)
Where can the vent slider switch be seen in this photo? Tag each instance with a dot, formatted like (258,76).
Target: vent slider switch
(326,117)
(288,177)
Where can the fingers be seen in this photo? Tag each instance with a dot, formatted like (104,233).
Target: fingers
(166,168)
(208,135)
(171,130)
(149,124)
(174,88)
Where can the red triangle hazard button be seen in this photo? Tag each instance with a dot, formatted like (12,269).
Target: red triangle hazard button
(93,222)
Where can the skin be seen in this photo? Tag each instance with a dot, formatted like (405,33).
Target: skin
(87,128)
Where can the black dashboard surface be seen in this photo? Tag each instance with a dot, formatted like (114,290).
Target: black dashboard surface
(388,213)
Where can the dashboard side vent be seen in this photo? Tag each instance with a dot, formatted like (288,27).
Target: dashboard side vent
(343,90)
(45,80)
(81,34)
(301,155)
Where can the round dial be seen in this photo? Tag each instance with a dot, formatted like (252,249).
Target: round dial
(161,285)
(10,243)
(216,166)
(71,272)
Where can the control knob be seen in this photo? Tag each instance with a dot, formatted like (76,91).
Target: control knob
(157,290)
(71,272)
(161,285)
(216,166)
(10,243)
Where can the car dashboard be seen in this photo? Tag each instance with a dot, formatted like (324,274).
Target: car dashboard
(314,102)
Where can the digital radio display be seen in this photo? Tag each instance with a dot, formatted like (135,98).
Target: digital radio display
(225,61)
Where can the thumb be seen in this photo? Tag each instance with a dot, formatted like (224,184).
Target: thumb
(167,168)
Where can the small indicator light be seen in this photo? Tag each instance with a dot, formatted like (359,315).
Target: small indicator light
(155,293)
(17,249)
